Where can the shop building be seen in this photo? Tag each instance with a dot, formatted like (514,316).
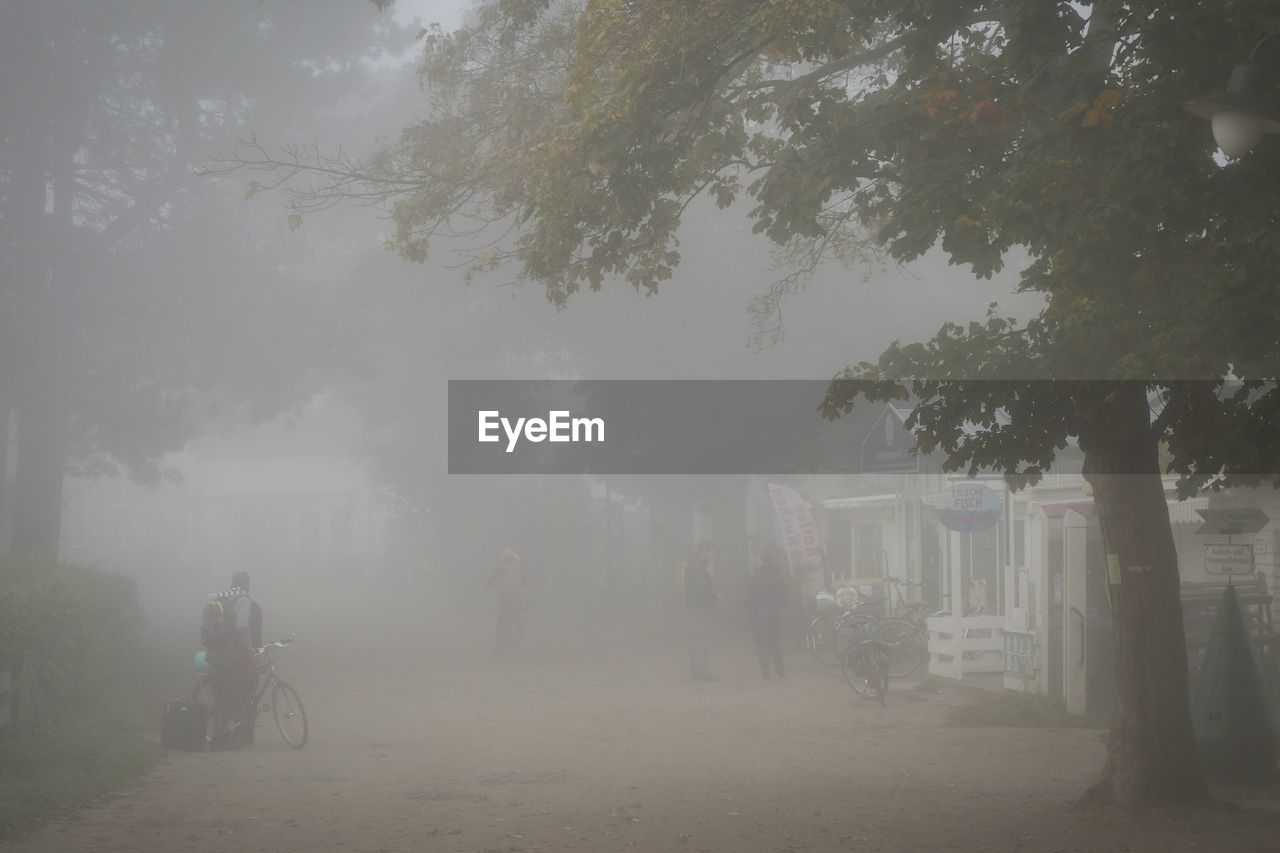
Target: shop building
(1022,597)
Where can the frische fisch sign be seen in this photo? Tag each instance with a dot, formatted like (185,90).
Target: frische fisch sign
(968,507)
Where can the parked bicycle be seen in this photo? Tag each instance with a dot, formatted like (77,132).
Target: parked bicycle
(285,705)
(906,633)
(837,615)
(865,665)
(845,615)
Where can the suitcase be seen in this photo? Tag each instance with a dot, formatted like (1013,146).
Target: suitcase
(185,724)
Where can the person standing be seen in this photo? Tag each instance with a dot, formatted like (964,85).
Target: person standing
(508,579)
(231,662)
(699,598)
(766,598)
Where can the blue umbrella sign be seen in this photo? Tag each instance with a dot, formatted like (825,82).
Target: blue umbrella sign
(968,507)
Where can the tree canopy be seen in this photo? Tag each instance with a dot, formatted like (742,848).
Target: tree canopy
(118,260)
(1047,135)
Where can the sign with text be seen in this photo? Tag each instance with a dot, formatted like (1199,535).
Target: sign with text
(968,507)
(799,530)
(889,447)
(1228,559)
(1232,521)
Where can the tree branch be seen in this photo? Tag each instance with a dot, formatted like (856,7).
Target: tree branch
(873,55)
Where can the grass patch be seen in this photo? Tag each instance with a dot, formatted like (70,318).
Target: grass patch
(928,684)
(75,760)
(1022,710)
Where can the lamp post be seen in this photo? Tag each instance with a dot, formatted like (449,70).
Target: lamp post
(1241,114)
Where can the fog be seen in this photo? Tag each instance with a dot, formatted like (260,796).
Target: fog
(199,377)
(301,370)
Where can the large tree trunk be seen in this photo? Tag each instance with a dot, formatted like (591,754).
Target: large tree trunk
(45,341)
(37,510)
(41,407)
(1151,750)
(6,417)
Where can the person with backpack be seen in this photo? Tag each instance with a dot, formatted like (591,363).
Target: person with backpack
(231,628)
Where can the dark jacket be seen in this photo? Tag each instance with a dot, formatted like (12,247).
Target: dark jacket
(766,593)
(699,591)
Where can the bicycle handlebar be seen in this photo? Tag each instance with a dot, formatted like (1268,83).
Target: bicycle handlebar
(279,644)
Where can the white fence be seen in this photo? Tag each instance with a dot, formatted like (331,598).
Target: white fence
(963,645)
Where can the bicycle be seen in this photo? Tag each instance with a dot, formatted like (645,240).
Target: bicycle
(837,615)
(906,633)
(866,668)
(285,705)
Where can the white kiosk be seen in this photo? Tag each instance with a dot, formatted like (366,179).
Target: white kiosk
(969,639)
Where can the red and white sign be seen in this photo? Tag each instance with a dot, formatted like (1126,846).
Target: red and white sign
(799,530)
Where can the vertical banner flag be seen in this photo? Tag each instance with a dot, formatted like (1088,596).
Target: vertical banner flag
(799,531)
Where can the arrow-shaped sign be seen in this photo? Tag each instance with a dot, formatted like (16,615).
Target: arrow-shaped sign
(1229,522)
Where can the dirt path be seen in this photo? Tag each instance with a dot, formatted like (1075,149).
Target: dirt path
(610,751)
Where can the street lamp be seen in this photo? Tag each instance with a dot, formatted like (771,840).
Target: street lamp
(1242,113)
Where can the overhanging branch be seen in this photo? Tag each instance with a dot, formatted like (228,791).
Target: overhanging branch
(874,54)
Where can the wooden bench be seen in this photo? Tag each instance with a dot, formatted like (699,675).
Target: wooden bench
(1200,611)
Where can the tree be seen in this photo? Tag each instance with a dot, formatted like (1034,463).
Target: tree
(1050,135)
(110,107)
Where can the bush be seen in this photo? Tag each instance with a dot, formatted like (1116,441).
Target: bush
(76,624)
(87,706)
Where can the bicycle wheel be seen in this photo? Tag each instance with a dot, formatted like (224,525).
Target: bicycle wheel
(880,657)
(822,639)
(906,647)
(864,669)
(858,671)
(291,717)
(851,669)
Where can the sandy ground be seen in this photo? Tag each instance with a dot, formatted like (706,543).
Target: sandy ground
(613,749)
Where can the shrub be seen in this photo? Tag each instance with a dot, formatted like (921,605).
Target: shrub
(77,624)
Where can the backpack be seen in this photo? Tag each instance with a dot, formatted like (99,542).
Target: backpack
(255,624)
(216,626)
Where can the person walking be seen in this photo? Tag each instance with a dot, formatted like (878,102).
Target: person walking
(508,578)
(766,598)
(700,597)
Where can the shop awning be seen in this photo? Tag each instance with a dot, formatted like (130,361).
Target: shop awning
(862,502)
(1058,509)
(1180,512)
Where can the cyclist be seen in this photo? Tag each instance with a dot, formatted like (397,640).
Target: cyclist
(509,579)
(232,670)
